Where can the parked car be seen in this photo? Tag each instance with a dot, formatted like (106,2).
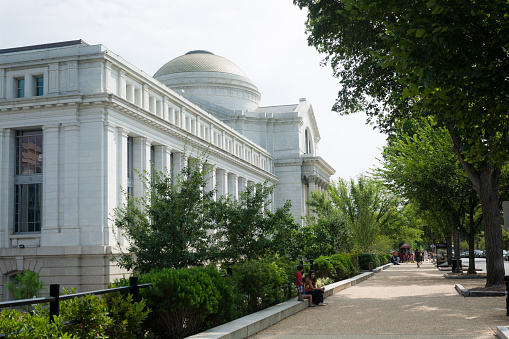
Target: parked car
(464,254)
(506,255)
(478,253)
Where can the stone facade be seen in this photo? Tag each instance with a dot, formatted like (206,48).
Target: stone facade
(76,120)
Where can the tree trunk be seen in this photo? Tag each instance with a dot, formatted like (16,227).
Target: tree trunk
(485,181)
(448,240)
(471,238)
(492,223)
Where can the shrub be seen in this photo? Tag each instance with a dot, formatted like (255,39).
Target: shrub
(323,267)
(112,316)
(366,258)
(323,282)
(384,258)
(343,266)
(184,301)
(26,285)
(14,324)
(262,283)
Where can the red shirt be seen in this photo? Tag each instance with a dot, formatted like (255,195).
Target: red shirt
(298,279)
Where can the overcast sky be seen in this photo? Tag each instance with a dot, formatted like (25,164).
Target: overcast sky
(265,38)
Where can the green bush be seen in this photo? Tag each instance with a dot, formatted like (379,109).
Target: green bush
(184,301)
(14,324)
(323,282)
(259,284)
(109,317)
(343,266)
(366,258)
(384,258)
(323,267)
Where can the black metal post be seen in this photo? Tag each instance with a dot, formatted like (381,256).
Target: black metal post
(506,281)
(311,262)
(229,271)
(133,281)
(54,306)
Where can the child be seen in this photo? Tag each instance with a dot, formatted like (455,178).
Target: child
(300,286)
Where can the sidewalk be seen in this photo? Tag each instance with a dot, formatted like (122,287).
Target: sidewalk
(401,302)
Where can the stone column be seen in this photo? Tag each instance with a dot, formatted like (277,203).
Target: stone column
(144,97)
(54,82)
(242,184)
(233,185)
(70,172)
(121,90)
(221,182)
(141,163)
(51,179)
(6,184)
(72,76)
(179,161)
(2,83)
(210,178)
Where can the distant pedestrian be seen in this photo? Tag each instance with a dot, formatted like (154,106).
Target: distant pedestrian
(418,258)
(394,258)
(425,255)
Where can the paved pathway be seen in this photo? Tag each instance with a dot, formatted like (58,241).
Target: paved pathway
(400,302)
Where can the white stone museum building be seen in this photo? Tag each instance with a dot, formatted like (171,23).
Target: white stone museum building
(76,123)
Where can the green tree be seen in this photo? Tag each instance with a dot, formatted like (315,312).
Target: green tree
(25,285)
(170,226)
(419,165)
(366,206)
(327,217)
(446,60)
(246,228)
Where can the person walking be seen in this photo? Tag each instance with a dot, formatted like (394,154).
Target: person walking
(418,258)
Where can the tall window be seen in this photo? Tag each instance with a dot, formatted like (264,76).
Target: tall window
(39,86)
(28,182)
(307,140)
(20,88)
(130,168)
(152,162)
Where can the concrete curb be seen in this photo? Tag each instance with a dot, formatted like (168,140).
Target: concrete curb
(448,276)
(502,332)
(461,290)
(466,293)
(253,323)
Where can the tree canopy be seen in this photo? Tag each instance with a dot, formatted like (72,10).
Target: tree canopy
(445,60)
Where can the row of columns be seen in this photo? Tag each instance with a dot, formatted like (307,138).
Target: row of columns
(226,182)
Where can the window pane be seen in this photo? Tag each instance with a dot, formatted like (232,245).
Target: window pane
(29,155)
(28,208)
(39,86)
(21,88)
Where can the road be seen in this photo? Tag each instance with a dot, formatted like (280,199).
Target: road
(481,263)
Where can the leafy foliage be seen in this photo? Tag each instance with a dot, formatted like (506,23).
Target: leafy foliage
(366,258)
(26,285)
(444,60)
(168,227)
(184,301)
(262,283)
(17,325)
(92,317)
(247,229)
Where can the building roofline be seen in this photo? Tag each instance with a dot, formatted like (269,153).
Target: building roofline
(43,46)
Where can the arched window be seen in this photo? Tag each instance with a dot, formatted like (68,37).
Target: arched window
(307,141)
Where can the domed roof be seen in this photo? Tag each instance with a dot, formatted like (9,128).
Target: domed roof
(199,61)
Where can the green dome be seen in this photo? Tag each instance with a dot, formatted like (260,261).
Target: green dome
(199,61)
